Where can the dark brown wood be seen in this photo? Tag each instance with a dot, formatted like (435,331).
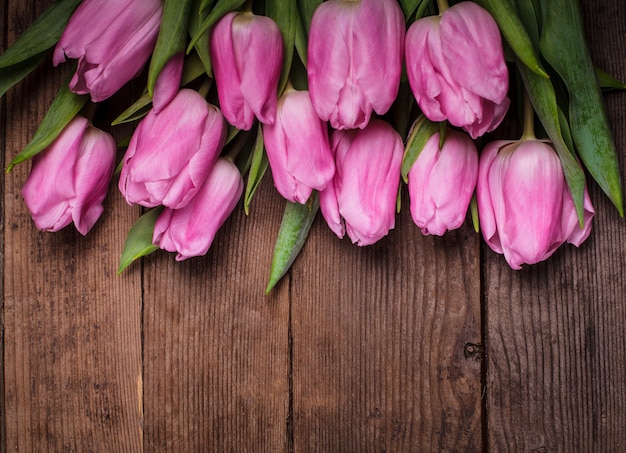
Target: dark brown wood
(555,332)
(216,359)
(72,350)
(386,343)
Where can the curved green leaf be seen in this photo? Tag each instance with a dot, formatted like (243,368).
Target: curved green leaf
(422,130)
(294,229)
(563,45)
(11,75)
(221,8)
(286,16)
(139,240)
(514,32)
(41,35)
(172,37)
(258,168)
(62,110)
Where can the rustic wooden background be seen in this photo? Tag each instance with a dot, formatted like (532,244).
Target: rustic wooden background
(415,344)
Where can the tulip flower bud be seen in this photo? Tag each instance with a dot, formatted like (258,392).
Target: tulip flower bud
(355,59)
(298,148)
(364,190)
(525,207)
(190,230)
(68,181)
(247,57)
(456,68)
(442,181)
(172,152)
(112,41)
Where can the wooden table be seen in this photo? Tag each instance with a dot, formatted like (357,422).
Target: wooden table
(415,344)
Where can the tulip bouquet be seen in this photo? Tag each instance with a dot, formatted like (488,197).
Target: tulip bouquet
(342,100)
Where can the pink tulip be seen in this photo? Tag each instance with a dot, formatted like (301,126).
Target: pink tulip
(456,68)
(365,187)
(190,230)
(69,180)
(172,152)
(355,59)
(525,207)
(168,82)
(442,181)
(247,58)
(112,41)
(298,149)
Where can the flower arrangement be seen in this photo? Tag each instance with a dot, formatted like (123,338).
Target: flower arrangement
(342,100)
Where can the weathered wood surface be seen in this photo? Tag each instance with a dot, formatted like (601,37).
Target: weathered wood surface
(358,349)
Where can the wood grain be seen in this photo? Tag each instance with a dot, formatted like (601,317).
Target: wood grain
(386,343)
(216,348)
(72,345)
(555,332)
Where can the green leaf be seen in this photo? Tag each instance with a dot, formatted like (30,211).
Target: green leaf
(192,70)
(138,110)
(285,14)
(306,9)
(62,110)
(221,8)
(13,74)
(543,98)
(257,170)
(294,230)
(563,45)
(172,37)
(422,130)
(43,34)
(409,6)
(202,49)
(607,81)
(514,32)
(139,240)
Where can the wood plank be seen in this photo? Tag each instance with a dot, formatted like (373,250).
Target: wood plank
(386,353)
(556,344)
(216,349)
(72,359)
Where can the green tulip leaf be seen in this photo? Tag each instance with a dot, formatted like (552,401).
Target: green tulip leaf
(63,109)
(286,16)
(172,37)
(607,81)
(198,15)
(514,32)
(563,45)
(221,8)
(306,9)
(293,232)
(43,34)
(11,75)
(422,130)
(136,111)
(258,167)
(139,240)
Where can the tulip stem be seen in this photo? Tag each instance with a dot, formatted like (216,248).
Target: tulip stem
(528,132)
(205,88)
(442,5)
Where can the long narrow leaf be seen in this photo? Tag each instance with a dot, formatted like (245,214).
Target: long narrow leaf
(221,8)
(294,230)
(563,45)
(139,240)
(258,168)
(13,74)
(62,110)
(41,35)
(172,37)
(286,16)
